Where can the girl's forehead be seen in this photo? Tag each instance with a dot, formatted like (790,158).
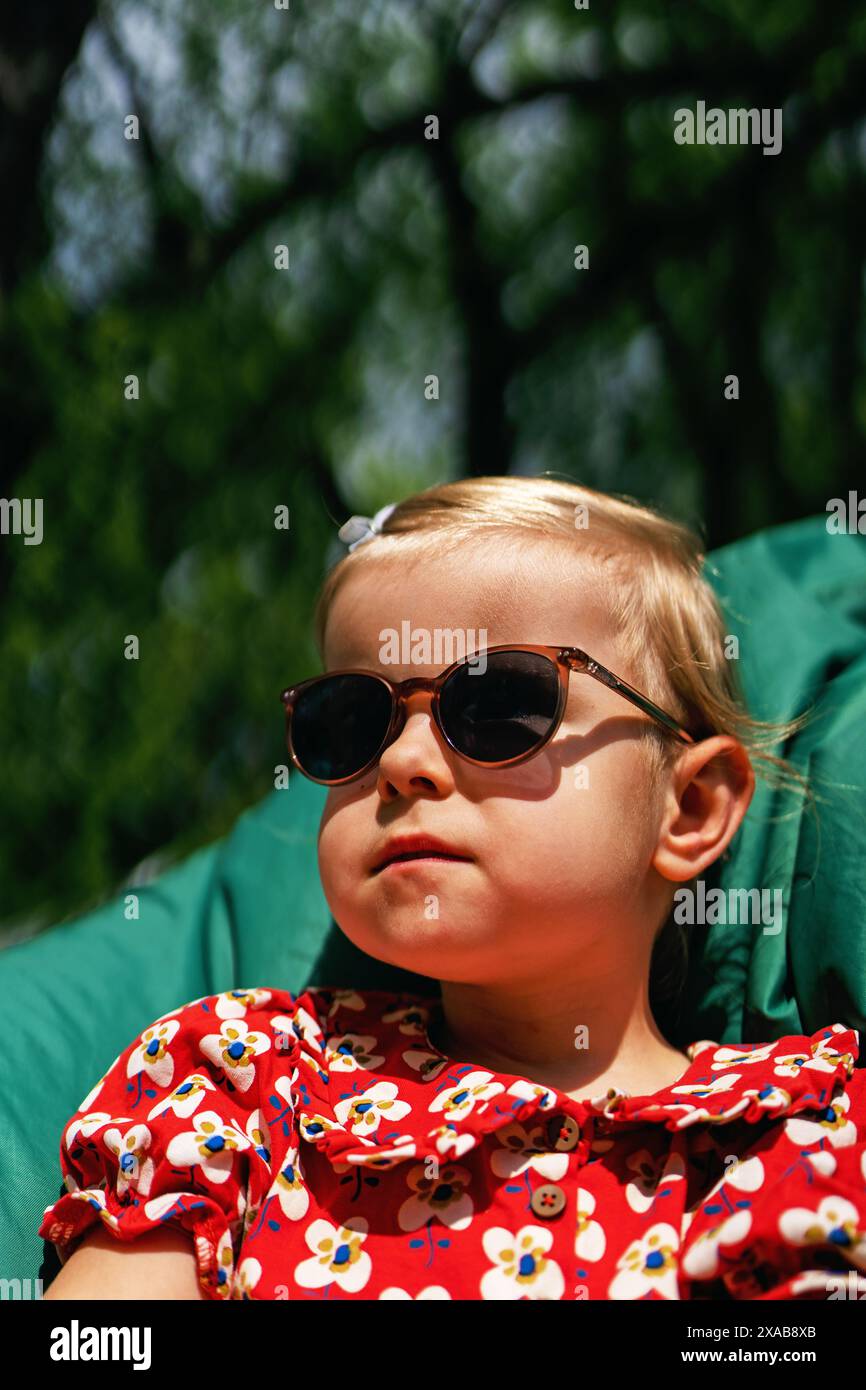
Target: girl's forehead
(535,596)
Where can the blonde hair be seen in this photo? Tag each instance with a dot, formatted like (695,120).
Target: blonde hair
(668,619)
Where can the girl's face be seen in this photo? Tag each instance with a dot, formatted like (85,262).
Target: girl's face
(561,846)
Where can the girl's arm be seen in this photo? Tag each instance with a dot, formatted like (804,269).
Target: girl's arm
(158,1265)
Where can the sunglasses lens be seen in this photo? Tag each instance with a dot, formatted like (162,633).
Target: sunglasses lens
(338,725)
(504,710)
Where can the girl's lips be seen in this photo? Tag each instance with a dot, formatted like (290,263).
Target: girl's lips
(423,857)
(416,846)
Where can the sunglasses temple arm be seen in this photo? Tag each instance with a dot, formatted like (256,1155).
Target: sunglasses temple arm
(606,677)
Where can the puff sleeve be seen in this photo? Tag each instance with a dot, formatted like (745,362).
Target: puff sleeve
(789,1219)
(173,1132)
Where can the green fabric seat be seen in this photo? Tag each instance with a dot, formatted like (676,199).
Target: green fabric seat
(250,910)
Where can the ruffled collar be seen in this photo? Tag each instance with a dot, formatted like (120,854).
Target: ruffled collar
(443,1107)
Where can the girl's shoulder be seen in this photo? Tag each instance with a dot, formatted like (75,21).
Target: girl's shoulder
(180,1126)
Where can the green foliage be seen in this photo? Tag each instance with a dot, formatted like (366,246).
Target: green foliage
(305,387)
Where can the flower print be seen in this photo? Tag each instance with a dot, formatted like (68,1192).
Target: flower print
(648,1265)
(233,1049)
(795,1062)
(248,1275)
(365,1111)
(725,1057)
(212,1143)
(97,1198)
(821,1056)
(285,1088)
(519,1152)
(289,1188)
(402,1146)
(301,1025)
(521,1268)
(152,1054)
(89,1124)
(185,1098)
(448,1140)
(224,1258)
(769,1097)
(651,1172)
(338,1256)
(460,1100)
(427,1064)
(157,1208)
(353,1052)
(835,1222)
(443,1198)
(530,1090)
(134,1167)
(314,1126)
(823,1161)
(256,1130)
(701,1260)
(432,1291)
(411,1019)
(233,1003)
(341,999)
(590,1242)
(703,1088)
(831,1123)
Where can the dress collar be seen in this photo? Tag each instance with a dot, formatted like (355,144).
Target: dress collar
(441,1107)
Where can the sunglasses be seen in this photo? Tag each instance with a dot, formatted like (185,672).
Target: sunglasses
(495,714)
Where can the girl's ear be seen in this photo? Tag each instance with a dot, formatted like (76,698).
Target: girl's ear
(711,786)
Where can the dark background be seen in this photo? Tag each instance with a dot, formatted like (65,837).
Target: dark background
(305,387)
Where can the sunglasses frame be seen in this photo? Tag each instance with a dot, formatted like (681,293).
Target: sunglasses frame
(565,659)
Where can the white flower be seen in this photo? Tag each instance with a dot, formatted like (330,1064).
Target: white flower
(477,1088)
(152,1054)
(289,1187)
(648,1265)
(366,1111)
(435,1291)
(233,1003)
(233,1049)
(444,1198)
(134,1167)
(212,1144)
(521,1268)
(248,1275)
(338,1256)
(353,1052)
(590,1242)
(835,1222)
(734,1057)
(185,1098)
(653,1171)
(831,1123)
(89,1124)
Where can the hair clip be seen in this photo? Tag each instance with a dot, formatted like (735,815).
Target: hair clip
(362,528)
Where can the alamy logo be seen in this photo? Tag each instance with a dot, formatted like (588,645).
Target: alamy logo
(20,1288)
(76,1343)
(737,126)
(729,907)
(22,517)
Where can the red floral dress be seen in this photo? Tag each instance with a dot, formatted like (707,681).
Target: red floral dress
(320,1146)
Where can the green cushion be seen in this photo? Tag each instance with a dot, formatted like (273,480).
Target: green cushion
(250,910)
(795,596)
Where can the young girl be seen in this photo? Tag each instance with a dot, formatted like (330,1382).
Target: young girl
(534,740)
